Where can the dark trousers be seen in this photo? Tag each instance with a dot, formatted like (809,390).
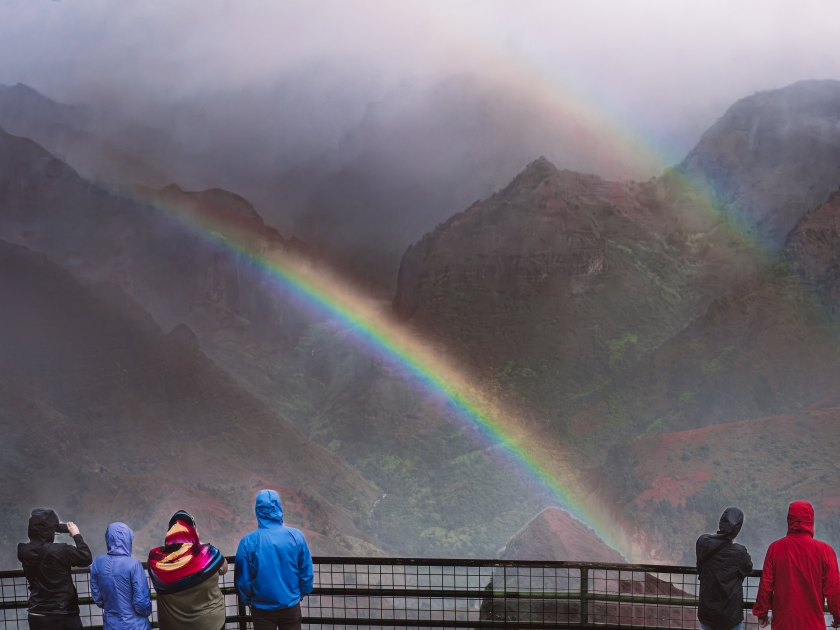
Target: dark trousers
(282,619)
(55,622)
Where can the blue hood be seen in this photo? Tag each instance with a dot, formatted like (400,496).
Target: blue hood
(119,537)
(269,509)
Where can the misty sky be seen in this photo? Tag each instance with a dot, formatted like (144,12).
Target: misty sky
(661,70)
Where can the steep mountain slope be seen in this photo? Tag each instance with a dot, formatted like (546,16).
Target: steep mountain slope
(104,417)
(555,535)
(617,312)
(674,487)
(773,349)
(443,496)
(772,157)
(812,250)
(561,281)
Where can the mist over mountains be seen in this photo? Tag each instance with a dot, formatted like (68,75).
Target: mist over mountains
(773,157)
(359,180)
(674,338)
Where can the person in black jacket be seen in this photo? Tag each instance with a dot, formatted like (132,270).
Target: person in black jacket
(722,566)
(53,600)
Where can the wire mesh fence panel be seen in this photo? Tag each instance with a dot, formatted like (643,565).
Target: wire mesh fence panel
(90,613)
(547,594)
(407,594)
(13,589)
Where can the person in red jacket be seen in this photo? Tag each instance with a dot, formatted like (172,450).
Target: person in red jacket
(799,575)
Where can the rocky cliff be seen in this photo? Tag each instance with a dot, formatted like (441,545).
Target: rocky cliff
(813,250)
(564,278)
(772,157)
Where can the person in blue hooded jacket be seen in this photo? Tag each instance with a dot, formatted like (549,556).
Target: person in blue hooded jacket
(273,568)
(118,583)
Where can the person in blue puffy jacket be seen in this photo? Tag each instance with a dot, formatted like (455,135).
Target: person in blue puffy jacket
(273,568)
(118,583)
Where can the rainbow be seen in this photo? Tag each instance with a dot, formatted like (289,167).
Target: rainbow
(332,297)
(328,295)
(618,153)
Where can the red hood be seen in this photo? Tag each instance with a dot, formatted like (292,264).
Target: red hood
(800,518)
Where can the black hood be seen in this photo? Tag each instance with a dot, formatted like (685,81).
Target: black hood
(42,525)
(730,523)
(181,515)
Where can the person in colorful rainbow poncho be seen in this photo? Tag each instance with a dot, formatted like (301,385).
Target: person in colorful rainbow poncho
(185,574)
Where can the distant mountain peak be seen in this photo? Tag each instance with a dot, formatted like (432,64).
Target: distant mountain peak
(554,534)
(541,167)
(183,335)
(22,87)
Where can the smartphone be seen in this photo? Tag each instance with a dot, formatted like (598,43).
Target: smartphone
(62,528)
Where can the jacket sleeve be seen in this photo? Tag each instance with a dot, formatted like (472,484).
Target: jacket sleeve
(305,569)
(697,556)
(95,593)
(764,599)
(78,556)
(831,582)
(141,597)
(243,578)
(746,565)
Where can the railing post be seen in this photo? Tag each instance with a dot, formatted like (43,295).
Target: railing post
(584,596)
(243,623)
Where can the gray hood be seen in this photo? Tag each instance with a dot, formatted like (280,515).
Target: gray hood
(730,523)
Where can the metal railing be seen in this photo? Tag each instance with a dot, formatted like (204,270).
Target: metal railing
(363,593)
